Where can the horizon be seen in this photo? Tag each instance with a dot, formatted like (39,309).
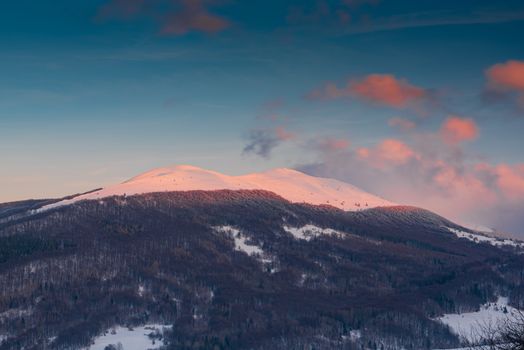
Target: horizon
(420,103)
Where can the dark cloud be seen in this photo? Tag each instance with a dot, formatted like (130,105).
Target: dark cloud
(261,142)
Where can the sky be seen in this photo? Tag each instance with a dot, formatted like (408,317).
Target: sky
(421,102)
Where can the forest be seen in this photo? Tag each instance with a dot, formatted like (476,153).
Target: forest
(70,273)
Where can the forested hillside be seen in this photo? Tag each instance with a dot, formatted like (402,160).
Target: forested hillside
(242,269)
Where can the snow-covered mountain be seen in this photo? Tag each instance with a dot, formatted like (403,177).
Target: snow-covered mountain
(290,184)
(231,261)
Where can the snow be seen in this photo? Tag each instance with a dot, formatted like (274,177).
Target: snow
(468,324)
(135,339)
(355,334)
(292,185)
(14,313)
(477,227)
(471,348)
(308,232)
(242,243)
(141,290)
(481,238)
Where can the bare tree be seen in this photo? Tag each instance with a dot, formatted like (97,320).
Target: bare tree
(505,335)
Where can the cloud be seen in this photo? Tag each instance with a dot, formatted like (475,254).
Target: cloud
(425,18)
(402,123)
(505,81)
(388,152)
(426,171)
(330,145)
(509,179)
(507,76)
(456,130)
(324,12)
(175,17)
(271,110)
(261,142)
(193,17)
(382,89)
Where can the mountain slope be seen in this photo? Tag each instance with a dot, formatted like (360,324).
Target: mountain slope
(241,269)
(226,269)
(290,184)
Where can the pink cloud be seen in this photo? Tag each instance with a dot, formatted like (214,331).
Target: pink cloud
(363,152)
(507,76)
(395,151)
(193,17)
(455,130)
(174,17)
(506,82)
(510,180)
(333,145)
(425,171)
(283,135)
(389,152)
(402,123)
(384,89)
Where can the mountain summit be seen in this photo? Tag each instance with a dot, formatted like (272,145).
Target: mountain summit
(290,184)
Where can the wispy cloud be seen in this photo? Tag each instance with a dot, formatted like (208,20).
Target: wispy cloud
(430,19)
(402,123)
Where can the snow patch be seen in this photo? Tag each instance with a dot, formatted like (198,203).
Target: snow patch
(303,278)
(467,325)
(137,338)
(141,290)
(355,334)
(14,314)
(244,244)
(480,238)
(308,232)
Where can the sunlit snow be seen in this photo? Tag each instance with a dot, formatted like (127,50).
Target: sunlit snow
(292,185)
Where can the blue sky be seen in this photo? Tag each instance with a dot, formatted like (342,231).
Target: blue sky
(94,92)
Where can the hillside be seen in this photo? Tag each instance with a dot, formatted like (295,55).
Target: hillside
(243,269)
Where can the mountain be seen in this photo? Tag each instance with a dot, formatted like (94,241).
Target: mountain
(227,266)
(290,184)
